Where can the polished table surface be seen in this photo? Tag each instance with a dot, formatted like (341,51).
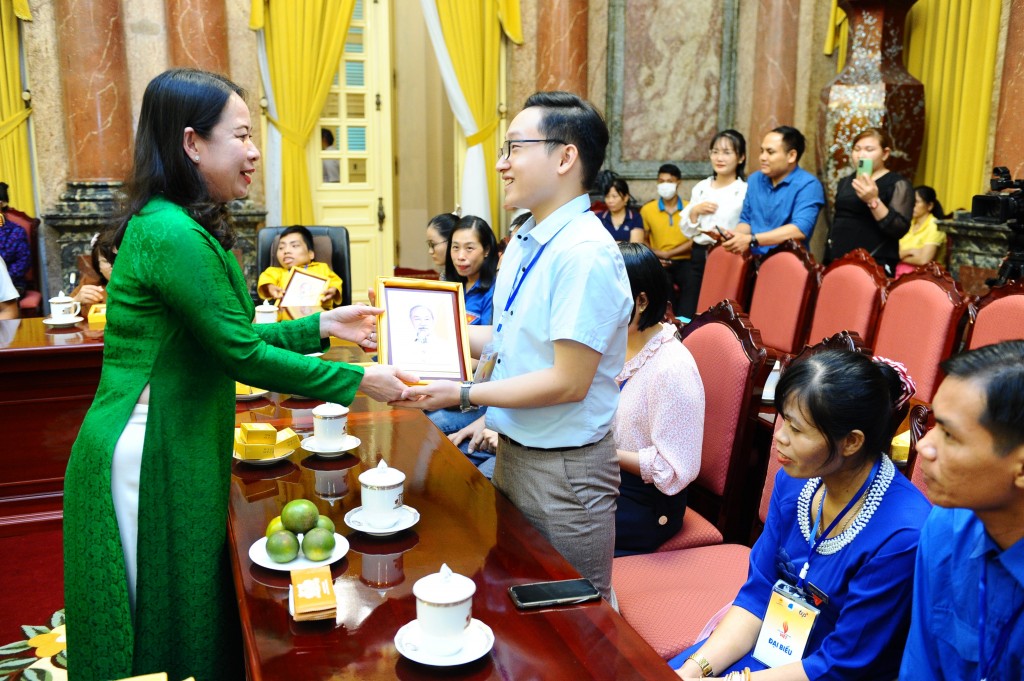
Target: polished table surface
(464,522)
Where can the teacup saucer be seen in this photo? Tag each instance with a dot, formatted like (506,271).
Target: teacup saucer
(478,642)
(258,554)
(61,322)
(311,445)
(407,517)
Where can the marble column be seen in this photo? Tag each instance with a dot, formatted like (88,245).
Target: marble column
(1009,131)
(774,99)
(562,45)
(197,34)
(98,124)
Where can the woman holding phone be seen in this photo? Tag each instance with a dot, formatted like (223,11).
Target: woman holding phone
(873,205)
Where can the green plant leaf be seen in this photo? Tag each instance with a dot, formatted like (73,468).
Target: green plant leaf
(16,647)
(15,663)
(37,675)
(57,619)
(34,630)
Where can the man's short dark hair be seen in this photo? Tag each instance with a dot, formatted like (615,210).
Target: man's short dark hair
(670,169)
(792,139)
(646,275)
(301,231)
(998,370)
(573,120)
(327,137)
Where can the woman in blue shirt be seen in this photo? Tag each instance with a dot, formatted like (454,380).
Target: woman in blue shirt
(620,219)
(472,259)
(843,527)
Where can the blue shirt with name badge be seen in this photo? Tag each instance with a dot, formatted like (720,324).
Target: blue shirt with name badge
(944,628)
(576,290)
(796,200)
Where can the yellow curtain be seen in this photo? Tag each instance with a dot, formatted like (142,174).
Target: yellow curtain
(951,48)
(304,39)
(15,167)
(472,35)
(838,35)
(511,20)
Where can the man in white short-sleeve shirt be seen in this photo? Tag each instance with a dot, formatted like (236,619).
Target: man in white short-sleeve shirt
(562,304)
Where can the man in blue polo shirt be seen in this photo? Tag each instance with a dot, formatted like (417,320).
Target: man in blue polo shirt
(562,306)
(966,620)
(783,200)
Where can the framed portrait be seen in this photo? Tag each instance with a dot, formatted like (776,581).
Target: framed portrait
(423,328)
(302,294)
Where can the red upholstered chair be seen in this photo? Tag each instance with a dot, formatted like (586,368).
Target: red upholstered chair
(850,297)
(727,276)
(997,316)
(920,323)
(787,283)
(921,421)
(31,303)
(669,597)
(732,367)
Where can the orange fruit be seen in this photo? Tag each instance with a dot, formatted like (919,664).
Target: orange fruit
(283,546)
(299,516)
(318,544)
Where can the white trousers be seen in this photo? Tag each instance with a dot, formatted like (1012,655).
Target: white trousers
(125,471)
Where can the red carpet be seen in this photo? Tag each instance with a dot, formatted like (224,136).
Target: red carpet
(33,581)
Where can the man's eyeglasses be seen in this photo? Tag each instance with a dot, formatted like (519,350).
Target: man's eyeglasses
(431,245)
(505,150)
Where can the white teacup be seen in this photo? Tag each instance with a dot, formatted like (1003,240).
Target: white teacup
(266,313)
(444,609)
(329,425)
(64,307)
(382,489)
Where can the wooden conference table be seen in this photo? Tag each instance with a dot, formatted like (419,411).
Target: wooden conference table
(463,522)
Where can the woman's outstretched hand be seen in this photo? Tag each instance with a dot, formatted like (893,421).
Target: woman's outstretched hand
(354,323)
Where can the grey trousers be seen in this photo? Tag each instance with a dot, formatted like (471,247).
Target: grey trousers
(569,496)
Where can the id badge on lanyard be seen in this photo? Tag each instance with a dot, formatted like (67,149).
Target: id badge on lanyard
(786,627)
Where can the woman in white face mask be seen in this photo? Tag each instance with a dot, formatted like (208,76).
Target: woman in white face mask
(662,231)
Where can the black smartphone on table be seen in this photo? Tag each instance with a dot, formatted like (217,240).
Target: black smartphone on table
(561,592)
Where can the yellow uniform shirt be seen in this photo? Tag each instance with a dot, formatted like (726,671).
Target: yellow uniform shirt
(279,276)
(928,234)
(662,230)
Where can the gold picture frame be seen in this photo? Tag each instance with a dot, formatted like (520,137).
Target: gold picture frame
(423,328)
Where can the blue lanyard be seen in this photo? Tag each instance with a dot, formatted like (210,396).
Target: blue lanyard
(519,283)
(815,540)
(986,663)
(623,384)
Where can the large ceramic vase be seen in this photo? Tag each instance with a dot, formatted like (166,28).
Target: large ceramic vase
(873,90)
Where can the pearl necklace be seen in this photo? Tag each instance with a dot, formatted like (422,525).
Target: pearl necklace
(869,504)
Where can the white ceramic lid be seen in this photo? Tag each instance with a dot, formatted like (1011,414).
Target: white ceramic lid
(267,305)
(61,298)
(443,587)
(330,409)
(382,475)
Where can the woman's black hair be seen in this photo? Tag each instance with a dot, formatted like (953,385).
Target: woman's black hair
(104,246)
(739,145)
(619,185)
(841,391)
(490,245)
(444,223)
(646,275)
(175,100)
(928,195)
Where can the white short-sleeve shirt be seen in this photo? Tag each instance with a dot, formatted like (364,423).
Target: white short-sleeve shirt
(577,290)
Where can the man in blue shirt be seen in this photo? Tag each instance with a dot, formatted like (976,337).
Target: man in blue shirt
(562,302)
(783,200)
(969,578)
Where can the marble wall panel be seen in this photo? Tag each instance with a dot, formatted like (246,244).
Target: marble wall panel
(521,75)
(197,32)
(671,80)
(1009,131)
(775,85)
(597,54)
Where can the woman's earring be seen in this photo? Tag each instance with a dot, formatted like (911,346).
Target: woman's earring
(196,159)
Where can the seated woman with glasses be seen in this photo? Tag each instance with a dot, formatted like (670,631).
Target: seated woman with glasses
(439,229)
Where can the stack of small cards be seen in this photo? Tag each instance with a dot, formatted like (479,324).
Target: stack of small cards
(313,594)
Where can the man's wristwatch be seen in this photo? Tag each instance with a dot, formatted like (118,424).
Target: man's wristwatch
(753,240)
(464,403)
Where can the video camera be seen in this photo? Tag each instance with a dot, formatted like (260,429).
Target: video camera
(998,207)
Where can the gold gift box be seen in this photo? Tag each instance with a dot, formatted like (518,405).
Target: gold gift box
(98,316)
(284,442)
(248,451)
(259,434)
